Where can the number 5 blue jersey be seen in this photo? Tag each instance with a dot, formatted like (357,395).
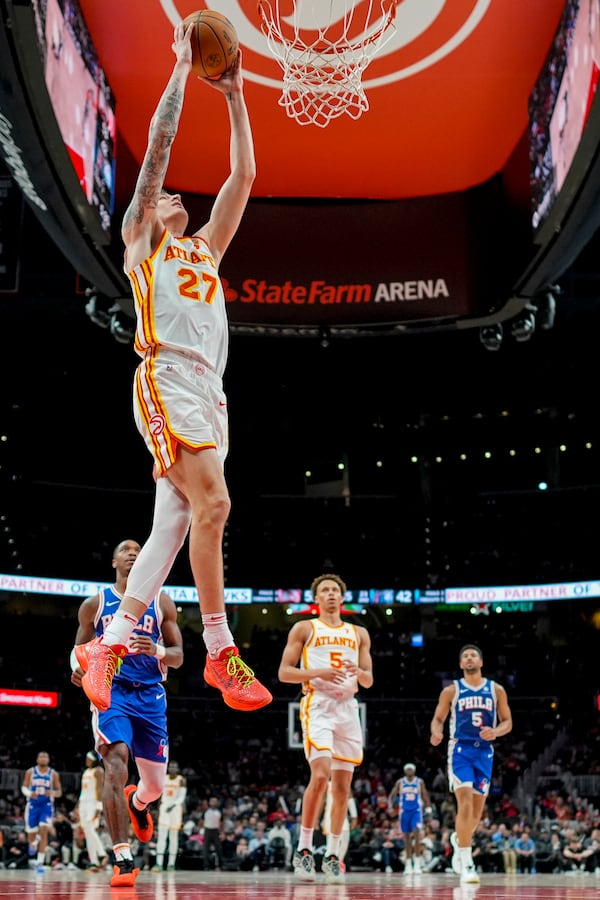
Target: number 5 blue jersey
(472,709)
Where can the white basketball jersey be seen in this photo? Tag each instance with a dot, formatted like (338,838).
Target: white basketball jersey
(173,785)
(89,787)
(180,303)
(331,646)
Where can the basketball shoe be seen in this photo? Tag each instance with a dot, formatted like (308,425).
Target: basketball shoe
(304,865)
(237,682)
(456,866)
(124,873)
(469,875)
(99,662)
(141,820)
(332,870)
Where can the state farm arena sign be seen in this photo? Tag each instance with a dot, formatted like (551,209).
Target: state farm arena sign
(352,262)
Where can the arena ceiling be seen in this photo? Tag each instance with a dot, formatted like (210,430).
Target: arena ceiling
(448,98)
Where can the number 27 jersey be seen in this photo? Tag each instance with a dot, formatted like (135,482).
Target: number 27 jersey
(180,303)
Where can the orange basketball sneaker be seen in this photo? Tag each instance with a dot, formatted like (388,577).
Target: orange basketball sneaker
(236,681)
(124,873)
(141,820)
(99,662)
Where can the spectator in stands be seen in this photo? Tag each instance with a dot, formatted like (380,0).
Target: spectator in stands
(543,851)
(592,844)
(60,841)
(504,840)
(490,858)
(439,786)
(434,848)
(229,846)
(279,846)
(448,811)
(577,856)
(257,849)
(563,812)
(245,863)
(192,844)
(508,810)
(525,850)
(391,848)
(249,829)
(17,850)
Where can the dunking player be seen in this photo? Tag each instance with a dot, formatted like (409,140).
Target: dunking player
(480,714)
(136,722)
(41,786)
(412,802)
(179,405)
(335,659)
(170,818)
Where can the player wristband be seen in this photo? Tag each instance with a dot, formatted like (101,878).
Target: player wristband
(160,651)
(73,660)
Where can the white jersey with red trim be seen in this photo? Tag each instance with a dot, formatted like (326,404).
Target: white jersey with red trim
(180,303)
(331,646)
(89,787)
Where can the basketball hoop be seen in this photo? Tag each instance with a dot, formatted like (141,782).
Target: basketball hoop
(323,53)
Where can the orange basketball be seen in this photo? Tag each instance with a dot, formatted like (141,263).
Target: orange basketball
(214,43)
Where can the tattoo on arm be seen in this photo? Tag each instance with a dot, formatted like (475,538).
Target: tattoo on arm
(163,129)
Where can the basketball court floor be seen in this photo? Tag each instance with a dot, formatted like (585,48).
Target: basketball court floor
(187,885)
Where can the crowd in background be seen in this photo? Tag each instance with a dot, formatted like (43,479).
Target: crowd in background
(248,763)
(259,826)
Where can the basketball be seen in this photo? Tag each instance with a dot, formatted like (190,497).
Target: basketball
(214,43)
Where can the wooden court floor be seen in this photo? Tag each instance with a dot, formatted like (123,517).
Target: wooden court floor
(188,885)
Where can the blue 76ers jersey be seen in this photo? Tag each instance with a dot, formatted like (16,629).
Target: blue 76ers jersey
(136,668)
(409,798)
(472,709)
(41,786)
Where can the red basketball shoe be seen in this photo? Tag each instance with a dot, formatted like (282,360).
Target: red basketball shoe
(99,662)
(237,682)
(124,873)
(141,820)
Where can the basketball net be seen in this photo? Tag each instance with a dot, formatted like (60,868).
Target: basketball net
(323,51)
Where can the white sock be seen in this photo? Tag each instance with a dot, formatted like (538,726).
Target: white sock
(217,635)
(120,628)
(333,845)
(306,839)
(122,851)
(466,858)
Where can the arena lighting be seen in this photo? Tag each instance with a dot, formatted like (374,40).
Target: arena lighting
(121,325)
(97,308)
(546,307)
(109,314)
(491,336)
(523,325)
(324,336)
